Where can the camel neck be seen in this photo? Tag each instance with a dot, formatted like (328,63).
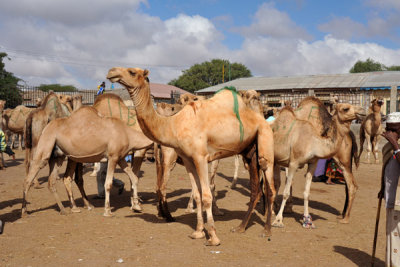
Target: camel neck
(154,126)
(335,134)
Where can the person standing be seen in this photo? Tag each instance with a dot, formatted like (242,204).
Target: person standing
(4,148)
(101,88)
(390,178)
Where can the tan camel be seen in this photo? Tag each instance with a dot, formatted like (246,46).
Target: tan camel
(111,105)
(292,150)
(166,158)
(314,111)
(14,121)
(201,132)
(371,129)
(50,109)
(86,136)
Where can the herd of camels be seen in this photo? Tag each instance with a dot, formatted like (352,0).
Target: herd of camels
(193,132)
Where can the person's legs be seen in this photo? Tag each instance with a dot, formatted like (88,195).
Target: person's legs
(119,184)
(101,178)
(10,152)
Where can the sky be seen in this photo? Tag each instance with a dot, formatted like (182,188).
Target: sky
(76,42)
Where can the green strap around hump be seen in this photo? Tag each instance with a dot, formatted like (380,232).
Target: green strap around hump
(235,107)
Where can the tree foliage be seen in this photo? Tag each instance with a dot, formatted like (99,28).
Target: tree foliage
(371,65)
(57,88)
(8,85)
(210,73)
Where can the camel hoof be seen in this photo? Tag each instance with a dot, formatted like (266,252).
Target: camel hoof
(190,210)
(238,229)
(107,213)
(89,207)
(233,185)
(217,212)
(24,213)
(63,212)
(75,210)
(265,233)
(278,223)
(37,186)
(197,235)
(136,208)
(344,220)
(213,242)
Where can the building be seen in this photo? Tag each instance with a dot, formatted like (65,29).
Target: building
(354,88)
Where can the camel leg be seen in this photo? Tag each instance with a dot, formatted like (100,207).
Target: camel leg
(250,157)
(34,169)
(235,174)
(352,189)
(277,184)
(375,140)
(286,193)
(190,168)
(207,198)
(96,168)
(138,160)
(215,208)
(164,165)
(271,193)
(369,147)
(79,183)
(289,204)
(307,220)
(54,165)
(108,184)
(69,172)
(135,205)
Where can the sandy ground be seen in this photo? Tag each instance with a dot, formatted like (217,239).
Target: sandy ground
(46,238)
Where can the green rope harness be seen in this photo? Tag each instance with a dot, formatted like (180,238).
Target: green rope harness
(235,107)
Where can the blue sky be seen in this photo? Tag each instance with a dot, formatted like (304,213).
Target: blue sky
(76,42)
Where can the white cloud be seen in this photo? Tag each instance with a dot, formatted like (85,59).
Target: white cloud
(270,22)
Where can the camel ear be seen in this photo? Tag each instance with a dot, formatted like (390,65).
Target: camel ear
(146,73)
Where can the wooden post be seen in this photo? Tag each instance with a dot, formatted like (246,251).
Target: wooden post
(393,98)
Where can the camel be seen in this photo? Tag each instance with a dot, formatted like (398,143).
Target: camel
(84,137)
(14,121)
(201,132)
(166,159)
(51,108)
(371,129)
(314,111)
(292,150)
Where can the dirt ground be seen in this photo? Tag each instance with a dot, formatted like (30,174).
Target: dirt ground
(46,238)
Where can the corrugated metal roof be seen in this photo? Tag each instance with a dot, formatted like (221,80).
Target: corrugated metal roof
(348,80)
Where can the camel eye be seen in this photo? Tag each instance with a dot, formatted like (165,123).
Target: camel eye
(132,73)
(346,109)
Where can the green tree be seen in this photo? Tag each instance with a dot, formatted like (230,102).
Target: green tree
(210,73)
(57,88)
(394,68)
(367,66)
(8,85)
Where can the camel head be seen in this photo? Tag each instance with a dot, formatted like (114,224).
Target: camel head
(187,98)
(38,101)
(76,102)
(252,100)
(131,78)
(347,112)
(167,109)
(66,100)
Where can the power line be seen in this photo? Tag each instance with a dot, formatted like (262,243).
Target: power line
(25,54)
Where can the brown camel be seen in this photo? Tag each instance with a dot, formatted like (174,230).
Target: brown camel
(371,129)
(201,132)
(14,121)
(83,137)
(292,150)
(314,111)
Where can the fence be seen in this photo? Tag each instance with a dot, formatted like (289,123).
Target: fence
(30,95)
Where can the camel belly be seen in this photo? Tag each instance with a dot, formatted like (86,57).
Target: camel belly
(87,159)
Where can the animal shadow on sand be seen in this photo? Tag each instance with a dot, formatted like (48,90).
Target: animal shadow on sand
(12,163)
(358,257)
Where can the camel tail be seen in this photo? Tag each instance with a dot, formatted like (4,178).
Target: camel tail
(354,151)
(28,142)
